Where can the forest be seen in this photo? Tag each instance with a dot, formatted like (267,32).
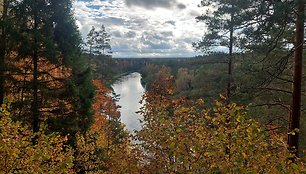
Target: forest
(240,110)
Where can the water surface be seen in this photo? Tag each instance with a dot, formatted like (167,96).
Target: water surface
(130,90)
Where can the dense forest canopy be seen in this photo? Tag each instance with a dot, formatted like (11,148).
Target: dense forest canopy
(236,110)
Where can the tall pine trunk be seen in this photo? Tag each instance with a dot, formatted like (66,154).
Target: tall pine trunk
(230,59)
(294,120)
(35,102)
(3,49)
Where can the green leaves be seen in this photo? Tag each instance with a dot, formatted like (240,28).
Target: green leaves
(227,16)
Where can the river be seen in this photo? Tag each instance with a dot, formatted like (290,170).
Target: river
(130,92)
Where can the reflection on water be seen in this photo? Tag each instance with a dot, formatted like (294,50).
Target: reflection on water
(130,90)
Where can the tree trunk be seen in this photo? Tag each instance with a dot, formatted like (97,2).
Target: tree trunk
(230,59)
(35,107)
(294,120)
(3,50)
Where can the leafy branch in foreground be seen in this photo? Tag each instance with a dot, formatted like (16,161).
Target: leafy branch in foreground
(19,155)
(181,136)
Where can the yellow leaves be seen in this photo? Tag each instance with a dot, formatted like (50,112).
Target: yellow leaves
(172,145)
(294,166)
(19,155)
(223,97)
(249,130)
(218,103)
(200,101)
(244,155)
(179,135)
(169,91)
(294,132)
(238,119)
(179,130)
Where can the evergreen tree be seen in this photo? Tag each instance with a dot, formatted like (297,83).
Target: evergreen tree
(279,30)
(5,28)
(294,120)
(98,42)
(92,41)
(103,41)
(271,26)
(51,80)
(35,29)
(3,13)
(266,30)
(79,89)
(224,24)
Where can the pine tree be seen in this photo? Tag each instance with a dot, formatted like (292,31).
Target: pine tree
(79,90)
(50,79)
(267,28)
(98,42)
(35,31)
(223,24)
(92,41)
(4,9)
(280,24)
(294,120)
(103,41)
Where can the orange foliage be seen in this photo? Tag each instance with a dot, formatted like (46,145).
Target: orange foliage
(104,149)
(103,105)
(52,77)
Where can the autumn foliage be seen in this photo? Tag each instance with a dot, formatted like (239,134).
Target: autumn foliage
(106,147)
(181,136)
(178,136)
(53,89)
(18,153)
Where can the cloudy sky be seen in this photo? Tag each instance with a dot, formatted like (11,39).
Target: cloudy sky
(144,28)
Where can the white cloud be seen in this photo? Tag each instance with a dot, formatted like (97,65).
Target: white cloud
(141,30)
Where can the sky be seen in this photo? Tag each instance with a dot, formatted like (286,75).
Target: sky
(144,28)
